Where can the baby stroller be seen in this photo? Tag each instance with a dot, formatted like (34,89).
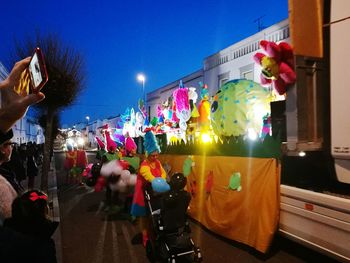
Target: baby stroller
(170,240)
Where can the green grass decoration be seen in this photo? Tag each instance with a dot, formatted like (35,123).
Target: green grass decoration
(270,147)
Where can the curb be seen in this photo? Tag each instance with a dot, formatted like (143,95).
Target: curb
(55,211)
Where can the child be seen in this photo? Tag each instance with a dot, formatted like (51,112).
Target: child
(174,203)
(30,219)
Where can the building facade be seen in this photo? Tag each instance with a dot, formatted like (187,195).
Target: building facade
(26,130)
(3,74)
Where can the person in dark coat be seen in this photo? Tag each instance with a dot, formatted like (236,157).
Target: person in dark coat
(32,168)
(30,225)
(6,170)
(16,164)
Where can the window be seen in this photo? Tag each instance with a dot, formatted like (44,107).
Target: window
(223,78)
(248,75)
(223,81)
(247,72)
(280,35)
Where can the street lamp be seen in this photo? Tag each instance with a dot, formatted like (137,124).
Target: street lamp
(87,128)
(142,78)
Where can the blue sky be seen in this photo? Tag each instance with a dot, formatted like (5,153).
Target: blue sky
(118,39)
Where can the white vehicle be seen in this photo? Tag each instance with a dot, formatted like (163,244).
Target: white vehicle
(315,181)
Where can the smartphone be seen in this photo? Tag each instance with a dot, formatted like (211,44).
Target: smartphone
(34,77)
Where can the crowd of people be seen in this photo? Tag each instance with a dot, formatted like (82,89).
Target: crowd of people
(25,228)
(24,163)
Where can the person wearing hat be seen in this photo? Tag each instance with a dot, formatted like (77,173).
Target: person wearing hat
(150,169)
(112,197)
(101,150)
(8,192)
(131,157)
(112,149)
(134,165)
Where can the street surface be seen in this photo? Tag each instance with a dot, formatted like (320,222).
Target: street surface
(88,234)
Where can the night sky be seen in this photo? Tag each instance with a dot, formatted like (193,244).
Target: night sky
(165,40)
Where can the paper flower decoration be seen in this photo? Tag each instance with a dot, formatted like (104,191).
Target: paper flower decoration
(277,65)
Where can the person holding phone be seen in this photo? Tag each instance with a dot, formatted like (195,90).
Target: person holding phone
(14,106)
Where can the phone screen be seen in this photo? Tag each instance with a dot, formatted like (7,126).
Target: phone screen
(35,71)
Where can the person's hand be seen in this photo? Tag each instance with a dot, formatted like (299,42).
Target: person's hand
(15,106)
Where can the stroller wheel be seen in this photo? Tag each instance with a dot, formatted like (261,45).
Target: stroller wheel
(197,256)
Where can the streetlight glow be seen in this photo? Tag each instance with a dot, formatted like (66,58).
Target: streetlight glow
(141,78)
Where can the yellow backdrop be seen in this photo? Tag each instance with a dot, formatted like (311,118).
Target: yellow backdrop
(250,215)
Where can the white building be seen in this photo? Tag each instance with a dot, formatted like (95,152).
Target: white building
(3,74)
(233,62)
(26,130)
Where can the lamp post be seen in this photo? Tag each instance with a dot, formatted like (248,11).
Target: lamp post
(87,129)
(142,78)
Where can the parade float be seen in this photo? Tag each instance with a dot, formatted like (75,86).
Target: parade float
(230,160)
(225,148)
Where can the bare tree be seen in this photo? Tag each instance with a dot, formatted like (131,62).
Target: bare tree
(65,68)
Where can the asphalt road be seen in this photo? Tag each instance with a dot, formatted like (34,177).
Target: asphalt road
(88,234)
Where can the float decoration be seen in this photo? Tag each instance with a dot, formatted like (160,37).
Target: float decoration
(193,96)
(142,108)
(139,122)
(209,182)
(235,182)
(193,188)
(277,65)
(238,108)
(204,109)
(266,129)
(187,166)
(183,110)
